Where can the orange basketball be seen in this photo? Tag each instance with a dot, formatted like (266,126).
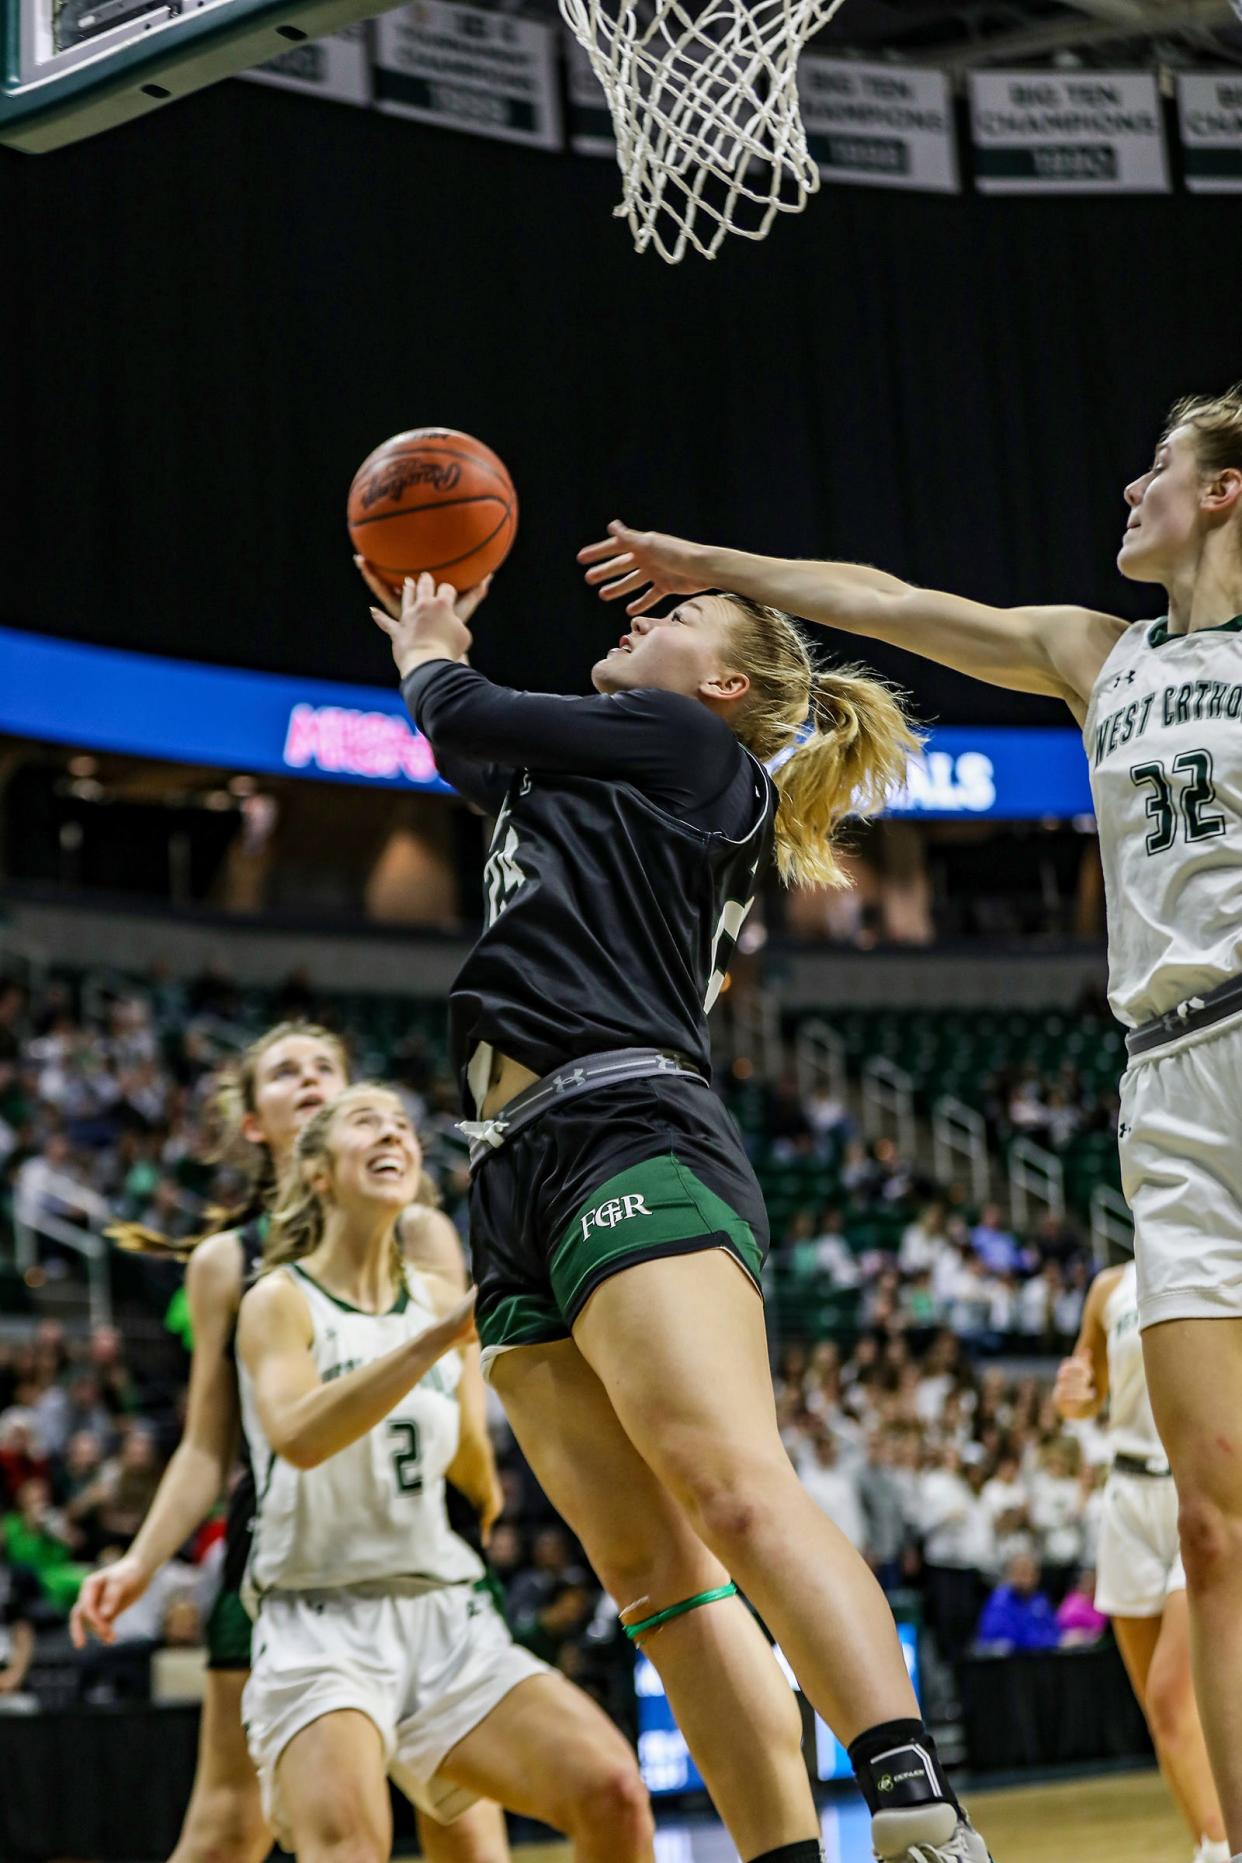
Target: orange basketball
(433,499)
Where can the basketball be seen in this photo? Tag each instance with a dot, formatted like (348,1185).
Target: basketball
(433,499)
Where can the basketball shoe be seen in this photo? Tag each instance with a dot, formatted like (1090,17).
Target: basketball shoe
(932,1833)
(1211,1851)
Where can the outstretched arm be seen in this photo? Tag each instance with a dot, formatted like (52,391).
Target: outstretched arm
(662,742)
(1057,651)
(483,784)
(199,1470)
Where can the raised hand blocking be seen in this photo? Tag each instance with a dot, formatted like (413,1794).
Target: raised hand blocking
(645,564)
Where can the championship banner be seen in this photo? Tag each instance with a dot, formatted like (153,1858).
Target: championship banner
(338,67)
(464,68)
(1210,108)
(881,126)
(1045,132)
(590,121)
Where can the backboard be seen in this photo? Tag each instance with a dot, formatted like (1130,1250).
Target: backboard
(74,67)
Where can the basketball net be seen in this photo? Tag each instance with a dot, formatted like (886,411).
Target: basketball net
(704,103)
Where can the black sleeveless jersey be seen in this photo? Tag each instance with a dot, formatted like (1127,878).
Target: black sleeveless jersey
(252,1235)
(632,830)
(239,1523)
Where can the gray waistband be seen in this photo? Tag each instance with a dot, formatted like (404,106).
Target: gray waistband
(585,1075)
(1197,1012)
(402,1585)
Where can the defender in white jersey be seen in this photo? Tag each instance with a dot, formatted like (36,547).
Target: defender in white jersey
(1161,708)
(377,1648)
(1140,1580)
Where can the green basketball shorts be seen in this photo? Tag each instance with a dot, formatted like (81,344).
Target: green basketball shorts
(228,1632)
(632,1172)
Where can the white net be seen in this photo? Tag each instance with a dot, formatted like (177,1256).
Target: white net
(704,103)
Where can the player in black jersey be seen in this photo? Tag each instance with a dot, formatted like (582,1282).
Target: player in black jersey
(261,1105)
(618,1230)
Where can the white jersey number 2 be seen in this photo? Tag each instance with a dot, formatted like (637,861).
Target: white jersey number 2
(407,1455)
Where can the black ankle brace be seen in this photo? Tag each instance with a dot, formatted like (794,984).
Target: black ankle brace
(897,1764)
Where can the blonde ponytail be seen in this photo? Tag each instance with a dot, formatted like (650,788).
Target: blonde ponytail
(844,732)
(299,1210)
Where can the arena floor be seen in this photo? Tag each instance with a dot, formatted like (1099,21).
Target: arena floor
(1121,1818)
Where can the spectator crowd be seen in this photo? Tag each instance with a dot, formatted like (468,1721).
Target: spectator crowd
(952,1473)
(958,1481)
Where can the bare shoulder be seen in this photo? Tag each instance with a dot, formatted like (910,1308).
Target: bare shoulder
(213,1275)
(271,1311)
(431,1243)
(1077,642)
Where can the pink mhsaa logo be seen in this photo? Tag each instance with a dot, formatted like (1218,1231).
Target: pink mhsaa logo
(351,743)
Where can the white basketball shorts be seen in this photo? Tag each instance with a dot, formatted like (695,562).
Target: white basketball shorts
(1138,1561)
(425,1670)
(1180,1138)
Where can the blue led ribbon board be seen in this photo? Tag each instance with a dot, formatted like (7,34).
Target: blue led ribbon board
(99,698)
(74,67)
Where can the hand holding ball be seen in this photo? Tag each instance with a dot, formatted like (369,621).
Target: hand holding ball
(429,622)
(433,500)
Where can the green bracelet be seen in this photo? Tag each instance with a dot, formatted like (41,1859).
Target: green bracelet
(633,1631)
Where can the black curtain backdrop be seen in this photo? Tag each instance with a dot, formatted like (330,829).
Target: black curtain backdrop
(209,317)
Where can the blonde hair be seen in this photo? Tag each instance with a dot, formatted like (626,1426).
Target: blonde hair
(1216,421)
(234,1095)
(299,1215)
(854,757)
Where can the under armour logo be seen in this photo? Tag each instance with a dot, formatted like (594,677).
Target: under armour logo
(563,1082)
(1124,1129)
(1122,679)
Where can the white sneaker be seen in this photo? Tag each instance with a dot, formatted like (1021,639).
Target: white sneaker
(927,1834)
(1212,1850)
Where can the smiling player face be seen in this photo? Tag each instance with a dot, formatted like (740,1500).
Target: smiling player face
(684,651)
(373,1154)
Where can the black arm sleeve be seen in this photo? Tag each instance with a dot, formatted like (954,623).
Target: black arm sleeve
(484,784)
(669,746)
